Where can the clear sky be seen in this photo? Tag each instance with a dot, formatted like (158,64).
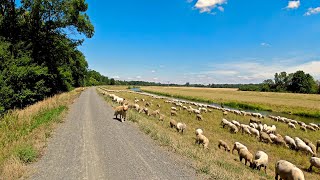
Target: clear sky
(203,41)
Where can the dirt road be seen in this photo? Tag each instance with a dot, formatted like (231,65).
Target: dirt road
(93,145)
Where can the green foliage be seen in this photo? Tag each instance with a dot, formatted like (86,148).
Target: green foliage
(26,153)
(297,82)
(38,57)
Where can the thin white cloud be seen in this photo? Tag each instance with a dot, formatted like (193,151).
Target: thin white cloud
(116,77)
(155,78)
(189,1)
(312,11)
(221,8)
(209,5)
(138,77)
(293,4)
(265,44)
(153,71)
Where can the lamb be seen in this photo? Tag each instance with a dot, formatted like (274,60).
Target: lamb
(290,125)
(237,146)
(201,139)
(248,157)
(173,113)
(122,111)
(199,117)
(173,123)
(292,144)
(260,160)
(224,144)
(181,127)
(199,131)
(264,137)
(288,171)
(314,161)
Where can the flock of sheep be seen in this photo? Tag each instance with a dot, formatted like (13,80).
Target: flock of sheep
(263,132)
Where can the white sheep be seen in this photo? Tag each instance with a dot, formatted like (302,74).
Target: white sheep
(261,160)
(292,144)
(314,161)
(199,131)
(237,146)
(201,139)
(290,125)
(181,127)
(255,132)
(302,146)
(287,170)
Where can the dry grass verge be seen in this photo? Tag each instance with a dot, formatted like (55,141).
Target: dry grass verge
(23,133)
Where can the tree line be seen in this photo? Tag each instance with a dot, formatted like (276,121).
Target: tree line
(298,82)
(38,51)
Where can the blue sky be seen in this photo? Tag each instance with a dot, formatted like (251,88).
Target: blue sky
(203,41)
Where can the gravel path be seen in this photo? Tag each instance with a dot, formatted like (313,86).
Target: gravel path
(93,145)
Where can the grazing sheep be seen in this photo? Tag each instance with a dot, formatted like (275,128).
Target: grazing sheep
(224,144)
(248,157)
(254,132)
(181,127)
(161,117)
(237,146)
(272,129)
(233,128)
(318,144)
(292,144)
(264,137)
(260,160)
(224,122)
(148,104)
(225,113)
(122,111)
(199,117)
(246,130)
(236,123)
(253,120)
(279,140)
(155,113)
(290,125)
(158,105)
(311,145)
(201,139)
(302,146)
(146,111)
(173,108)
(288,171)
(310,128)
(173,113)
(314,161)
(173,123)
(199,131)
(303,128)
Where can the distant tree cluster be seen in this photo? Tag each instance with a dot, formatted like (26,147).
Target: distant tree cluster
(38,58)
(298,82)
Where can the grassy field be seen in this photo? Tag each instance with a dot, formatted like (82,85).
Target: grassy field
(215,163)
(290,103)
(23,133)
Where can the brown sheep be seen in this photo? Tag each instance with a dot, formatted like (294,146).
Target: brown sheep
(173,123)
(199,117)
(225,145)
(122,111)
(155,113)
(201,139)
(264,137)
(248,157)
(173,113)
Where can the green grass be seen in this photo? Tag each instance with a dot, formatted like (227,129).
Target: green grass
(26,153)
(215,163)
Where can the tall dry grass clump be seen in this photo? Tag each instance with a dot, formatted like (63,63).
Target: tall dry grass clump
(23,132)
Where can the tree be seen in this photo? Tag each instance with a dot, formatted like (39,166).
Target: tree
(112,81)
(303,83)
